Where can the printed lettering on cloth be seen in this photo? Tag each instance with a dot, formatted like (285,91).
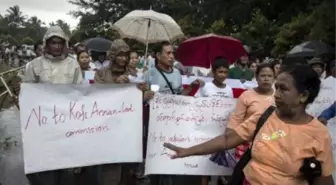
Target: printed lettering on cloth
(325,98)
(185,121)
(66,126)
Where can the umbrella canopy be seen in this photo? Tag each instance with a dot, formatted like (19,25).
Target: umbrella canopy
(310,49)
(148,26)
(201,51)
(98,44)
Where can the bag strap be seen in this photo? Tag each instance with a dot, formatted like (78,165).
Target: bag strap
(165,78)
(263,118)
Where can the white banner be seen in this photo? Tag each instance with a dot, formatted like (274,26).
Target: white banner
(65,126)
(185,121)
(233,83)
(324,100)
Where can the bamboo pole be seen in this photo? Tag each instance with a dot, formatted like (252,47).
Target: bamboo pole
(8,90)
(11,70)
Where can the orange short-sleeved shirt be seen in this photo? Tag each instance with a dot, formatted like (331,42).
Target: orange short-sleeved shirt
(248,104)
(279,149)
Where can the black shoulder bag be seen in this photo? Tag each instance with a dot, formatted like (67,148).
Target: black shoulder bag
(238,176)
(168,83)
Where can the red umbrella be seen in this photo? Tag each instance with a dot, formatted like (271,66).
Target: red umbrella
(201,51)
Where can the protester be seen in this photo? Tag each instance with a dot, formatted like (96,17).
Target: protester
(38,48)
(241,70)
(317,65)
(327,114)
(330,69)
(289,136)
(169,81)
(132,67)
(100,59)
(56,67)
(253,102)
(116,72)
(112,174)
(164,69)
(276,67)
(84,61)
(217,88)
(253,67)
(64,68)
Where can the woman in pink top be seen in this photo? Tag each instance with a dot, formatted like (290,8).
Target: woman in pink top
(288,137)
(253,102)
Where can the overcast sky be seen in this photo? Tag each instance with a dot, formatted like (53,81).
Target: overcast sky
(46,10)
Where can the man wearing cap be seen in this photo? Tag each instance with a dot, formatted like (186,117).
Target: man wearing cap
(317,65)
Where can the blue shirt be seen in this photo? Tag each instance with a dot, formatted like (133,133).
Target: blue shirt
(153,77)
(328,113)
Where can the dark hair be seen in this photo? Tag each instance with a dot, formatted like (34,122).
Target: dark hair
(36,45)
(80,52)
(133,51)
(262,66)
(219,62)
(305,79)
(78,46)
(159,48)
(275,62)
(251,62)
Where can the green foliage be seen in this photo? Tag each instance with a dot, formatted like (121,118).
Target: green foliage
(323,18)
(292,33)
(268,27)
(28,41)
(16,28)
(258,33)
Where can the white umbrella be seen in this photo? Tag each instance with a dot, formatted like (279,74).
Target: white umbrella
(148,26)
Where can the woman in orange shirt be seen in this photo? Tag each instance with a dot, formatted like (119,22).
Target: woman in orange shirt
(251,103)
(288,137)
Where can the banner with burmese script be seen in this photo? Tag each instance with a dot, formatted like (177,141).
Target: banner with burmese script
(185,121)
(66,126)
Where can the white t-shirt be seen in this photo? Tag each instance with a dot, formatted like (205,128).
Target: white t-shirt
(211,90)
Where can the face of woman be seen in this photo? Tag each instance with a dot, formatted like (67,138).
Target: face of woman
(134,59)
(265,78)
(286,95)
(122,58)
(84,60)
(276,69)
(253,67)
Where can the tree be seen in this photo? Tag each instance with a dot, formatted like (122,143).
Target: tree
(65,26)
(15,16)
(292,33)
(28,41)
(259,33)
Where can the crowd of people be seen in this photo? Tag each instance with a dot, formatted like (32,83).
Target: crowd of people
(288,137)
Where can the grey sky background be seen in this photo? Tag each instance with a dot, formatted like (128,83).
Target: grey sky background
(46,10)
